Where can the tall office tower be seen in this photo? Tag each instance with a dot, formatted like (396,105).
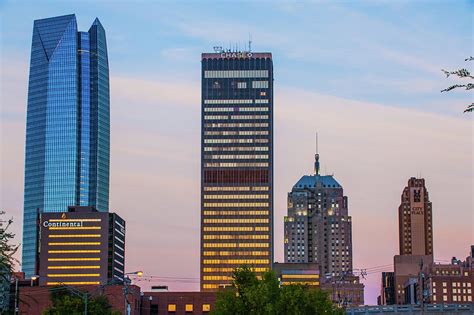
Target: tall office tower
(67,130)
(318,228)
(415,219)
(236,165)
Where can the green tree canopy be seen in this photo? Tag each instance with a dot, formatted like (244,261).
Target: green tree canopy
(64,302)
(249,296)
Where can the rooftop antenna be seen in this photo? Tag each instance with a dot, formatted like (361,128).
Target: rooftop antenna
(250,42)
(316,158)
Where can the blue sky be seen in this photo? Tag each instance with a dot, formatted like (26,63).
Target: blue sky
(366,50)
(364,74)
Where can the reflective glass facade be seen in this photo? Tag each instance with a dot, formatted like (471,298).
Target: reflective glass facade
(236,165)
(67,132)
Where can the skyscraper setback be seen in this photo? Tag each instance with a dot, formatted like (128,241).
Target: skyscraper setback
(236,165)
(68,124)
(415,219)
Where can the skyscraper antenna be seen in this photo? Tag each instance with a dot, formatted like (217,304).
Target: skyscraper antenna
(317,143)
(316,158)
(250,42)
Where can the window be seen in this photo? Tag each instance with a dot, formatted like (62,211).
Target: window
(171,307)
(260,84)
(241,85)
(188,308)
(206,307)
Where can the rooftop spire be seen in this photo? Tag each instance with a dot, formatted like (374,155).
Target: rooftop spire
(316,158)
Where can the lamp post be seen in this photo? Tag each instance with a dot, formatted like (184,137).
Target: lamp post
(126,281)
(34,278)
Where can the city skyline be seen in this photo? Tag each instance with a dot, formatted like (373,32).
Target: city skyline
(300,112)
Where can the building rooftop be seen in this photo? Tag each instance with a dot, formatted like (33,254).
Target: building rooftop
(311,181)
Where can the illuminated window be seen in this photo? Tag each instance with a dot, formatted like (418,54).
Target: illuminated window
(235,204)
(60,275)
(74,259)
(73,267)
(85,251)
(171,307)
(188,308)
(73,243)
(206,307)
(73,283)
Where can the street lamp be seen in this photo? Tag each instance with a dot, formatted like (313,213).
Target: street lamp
(34,278)
(126,282)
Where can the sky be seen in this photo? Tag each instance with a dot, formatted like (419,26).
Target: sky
(365,75)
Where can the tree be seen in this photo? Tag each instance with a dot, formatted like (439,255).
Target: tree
(249,295)
(64,302)
(7,249)
(464,74)
(7,261)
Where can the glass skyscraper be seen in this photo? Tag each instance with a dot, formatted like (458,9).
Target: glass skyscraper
(236,165)
(68,124)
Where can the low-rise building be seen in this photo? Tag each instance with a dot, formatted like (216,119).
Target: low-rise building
(81,247)
(345,291)
(451,283)
(177,303)
(294,273)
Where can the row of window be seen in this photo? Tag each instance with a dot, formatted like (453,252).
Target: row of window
(235,204)
(224,213)
(232,269)
(232,253)
(235,245)
(235,228)
(237,133)
(236,125)
(232,149)
(75,259)
(73,235)
(225,117)
(235,164)
(236,109)
(236,156)
(235,261)
(251,221)
(228,101)
(74,267)
(188,308)
(236,196)
(236,188)
(236,237)
(68,275)
(208,74)
(235,140)
(85,251)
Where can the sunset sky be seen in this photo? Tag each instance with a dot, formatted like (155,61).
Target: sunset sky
(365,75)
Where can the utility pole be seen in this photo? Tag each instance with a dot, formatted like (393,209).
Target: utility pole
(421,287)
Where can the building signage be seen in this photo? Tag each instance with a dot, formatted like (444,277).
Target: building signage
(62,224)
(417,210)
(240,54)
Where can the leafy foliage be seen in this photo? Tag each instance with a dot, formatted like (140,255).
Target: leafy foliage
(464,74)
(7,250)
(64,302)
(248,295)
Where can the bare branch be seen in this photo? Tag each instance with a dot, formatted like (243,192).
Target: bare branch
(453,87)
(469,59)
(470,108)
(462,73)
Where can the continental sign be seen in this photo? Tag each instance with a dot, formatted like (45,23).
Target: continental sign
(49,224)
